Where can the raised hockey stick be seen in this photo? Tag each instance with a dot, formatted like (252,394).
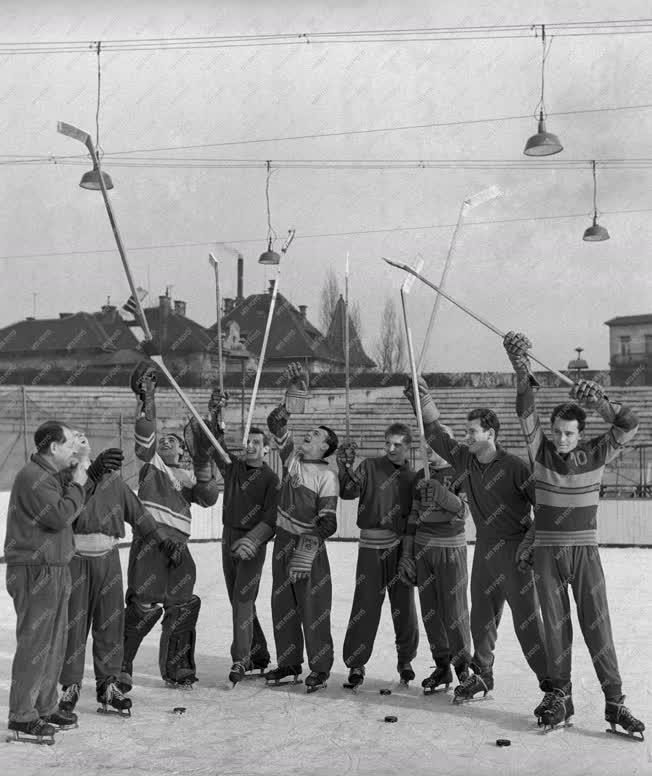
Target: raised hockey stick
(347,358)
(484,322)
(218,308)
(423,444)
(468,204)
(85,138)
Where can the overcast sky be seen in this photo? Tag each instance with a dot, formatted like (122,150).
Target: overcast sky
(528,268)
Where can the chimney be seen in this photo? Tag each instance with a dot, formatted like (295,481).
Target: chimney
(240,295)
(108,308)
(303,309)
(65,315)
(229,304)
(180,307)
(271,286)
(30,318)
(165,304)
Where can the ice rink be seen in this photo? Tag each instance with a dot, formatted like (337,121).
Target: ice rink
(257,730)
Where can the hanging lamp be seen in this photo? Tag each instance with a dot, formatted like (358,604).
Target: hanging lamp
(269,257)
(91,180)
(544,143)
(595,232)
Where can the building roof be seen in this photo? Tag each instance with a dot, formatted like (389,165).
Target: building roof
(629,320)
(335,339)
(291,335)
(175,333)
(79,331)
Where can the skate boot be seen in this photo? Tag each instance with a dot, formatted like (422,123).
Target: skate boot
(37,731)
(237,672)
(545,705)
(125,681)
(277,674)
(316,680)
(441,675)
(406,673)
(559,712)
(69,697)
(462,672)
(616,713)
(62,720)
(473,684)
(356,678)
(112,699)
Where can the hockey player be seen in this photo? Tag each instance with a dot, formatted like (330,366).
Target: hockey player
(500,490)
(301,577)
(436,522)
(248,518)
(568,473)
(384,486)
(97,592)
(38,548)
(164,573)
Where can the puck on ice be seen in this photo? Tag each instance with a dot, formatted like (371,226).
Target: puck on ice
(385,691)
(503,742)
(391,718)
(179,709)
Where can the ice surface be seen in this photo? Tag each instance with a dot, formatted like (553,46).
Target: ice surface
(258,730)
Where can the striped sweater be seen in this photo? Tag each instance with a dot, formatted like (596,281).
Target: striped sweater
(167,491)
(439,528)
(568,485)
(307,501)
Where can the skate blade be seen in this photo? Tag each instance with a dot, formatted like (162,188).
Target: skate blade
(316,687)
(179,686)
(353,687)
(63,728)
(434,690)
(23,738)
(460,701)
(114,712)
(632,736)
(280,682)
(550,728)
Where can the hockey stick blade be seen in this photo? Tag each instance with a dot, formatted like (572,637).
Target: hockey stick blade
(69,131)
(409,280)
(493,192)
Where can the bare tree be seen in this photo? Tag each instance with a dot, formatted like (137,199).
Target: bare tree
(355,316)
(330,293)
(390,346)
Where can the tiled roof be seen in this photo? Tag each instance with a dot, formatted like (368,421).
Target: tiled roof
(81,331)
(335,339)
(176,333)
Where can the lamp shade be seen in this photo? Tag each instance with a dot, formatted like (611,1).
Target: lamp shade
(596,233)
(91,180)
(543,143)
(269,256)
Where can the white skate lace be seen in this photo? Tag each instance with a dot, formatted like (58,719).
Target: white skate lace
(71,693)
(112,692)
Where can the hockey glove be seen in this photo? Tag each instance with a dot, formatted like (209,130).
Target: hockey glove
(429,411)
(297,390)
(277,421)
(525,552)
(345,455)
(302,558)
(407,568)
(143,384)
(107,461)
(248,545)
(173,551)
(216,405)
(588,393)
(517,345)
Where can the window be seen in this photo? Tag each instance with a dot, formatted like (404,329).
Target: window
(625,346)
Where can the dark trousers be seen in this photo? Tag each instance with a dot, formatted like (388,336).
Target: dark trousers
(150,578)
(442,579)
(302,610)
(377,572)
(40,595)
(556,568)
(495,578)
(242,579)
(96,600)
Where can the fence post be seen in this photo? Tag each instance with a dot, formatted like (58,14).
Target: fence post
(26,451)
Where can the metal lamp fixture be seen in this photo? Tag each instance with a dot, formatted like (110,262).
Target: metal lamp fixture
(595,232)
(91,180)
(544,143)
(269,257)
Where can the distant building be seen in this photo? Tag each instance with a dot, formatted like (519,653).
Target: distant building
(358,359)
(630,349)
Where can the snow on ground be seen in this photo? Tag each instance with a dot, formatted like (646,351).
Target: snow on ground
(259,730)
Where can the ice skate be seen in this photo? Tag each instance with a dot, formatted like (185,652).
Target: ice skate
(406,674)
(256,670)
(185,684)
(37,731)
(316,680)
(237,673)
(277,674)
(112,699)
(475,683)
(61,720)
(356,678)
(441,675)
(616,713)
(545,705)
(69,697)
(559,713)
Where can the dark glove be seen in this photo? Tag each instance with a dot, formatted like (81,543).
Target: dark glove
(173,551)
(297,389)
(429,411)
(588,393)
(143,384)
(517,346)
(345,455)
(107,461)
(525,553)
(407,567)
(277,420)
(197,443)
(216,404)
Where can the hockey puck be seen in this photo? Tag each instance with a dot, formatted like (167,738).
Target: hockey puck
(179,709)
(391,718)
(503,742)
(385,691)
